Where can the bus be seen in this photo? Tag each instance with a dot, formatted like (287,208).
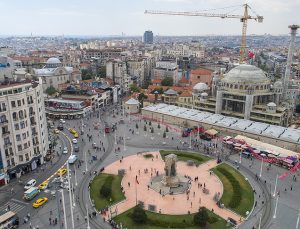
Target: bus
(9,220)
(31,193)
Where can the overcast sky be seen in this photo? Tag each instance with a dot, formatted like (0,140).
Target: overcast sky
(112,17)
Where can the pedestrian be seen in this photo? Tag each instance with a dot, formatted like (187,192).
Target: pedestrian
(50,220)
(291,188)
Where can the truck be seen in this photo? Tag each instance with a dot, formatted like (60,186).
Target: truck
(31,193)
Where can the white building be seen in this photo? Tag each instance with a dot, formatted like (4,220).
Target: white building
(23,127)
(165,69)
(54,73)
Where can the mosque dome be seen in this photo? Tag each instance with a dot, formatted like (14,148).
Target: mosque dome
(53,60)
(200,87)
(245,74)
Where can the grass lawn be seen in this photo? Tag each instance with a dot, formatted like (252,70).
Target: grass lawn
(185,156)
(247,196)
(161,221)
(116,193)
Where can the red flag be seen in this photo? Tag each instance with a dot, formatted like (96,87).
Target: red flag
(137,181)
(250,54)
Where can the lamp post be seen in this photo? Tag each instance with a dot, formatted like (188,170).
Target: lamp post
(70,196)
(64,208)
(298,218)
(261,167)
(275,210)
(87,216)
(275,186)
(86,169)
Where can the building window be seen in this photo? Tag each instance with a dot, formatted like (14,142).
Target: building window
(19,103)
(17,126)
(19,147)
(22,124)
(13,104)
(18,137)
(15,116)
(20,157)
(24,136)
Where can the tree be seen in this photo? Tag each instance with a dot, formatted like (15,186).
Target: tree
(139,215)
(201,217)
(141,98)
(105,191)
(86,74)
(51,90)
(134,88)
(168,81)
(146,84)
(101,72)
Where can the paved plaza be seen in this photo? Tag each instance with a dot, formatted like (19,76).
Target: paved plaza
(136,180)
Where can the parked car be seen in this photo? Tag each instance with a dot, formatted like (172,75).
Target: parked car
(30,184)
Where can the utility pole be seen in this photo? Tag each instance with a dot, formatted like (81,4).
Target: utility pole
(70,195)
(275,186)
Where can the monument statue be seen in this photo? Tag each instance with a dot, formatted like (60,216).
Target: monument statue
(170,178)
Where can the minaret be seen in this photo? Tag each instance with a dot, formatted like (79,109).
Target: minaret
(289,60)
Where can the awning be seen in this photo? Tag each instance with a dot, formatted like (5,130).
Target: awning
(211,132)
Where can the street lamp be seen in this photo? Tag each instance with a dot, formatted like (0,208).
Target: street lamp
(64,208)
(70,195)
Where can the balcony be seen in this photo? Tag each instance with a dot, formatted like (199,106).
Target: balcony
(7,144)
(3,122)
(5,133)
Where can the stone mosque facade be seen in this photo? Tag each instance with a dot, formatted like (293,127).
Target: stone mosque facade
(244,92)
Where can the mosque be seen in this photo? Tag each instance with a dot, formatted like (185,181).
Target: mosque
(243,92)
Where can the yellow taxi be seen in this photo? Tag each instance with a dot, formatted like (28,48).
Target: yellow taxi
(61,172)
(39,202)
(72,131)
(43,185)
(76,135)
(56,131)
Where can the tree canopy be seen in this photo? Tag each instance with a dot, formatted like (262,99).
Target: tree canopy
(134,88)
(51,90)
(201,217)
(168,81)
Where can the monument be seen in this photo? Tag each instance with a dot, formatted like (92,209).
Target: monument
(170,182)
(170,178)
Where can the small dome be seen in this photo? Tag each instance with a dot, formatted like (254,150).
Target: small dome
(53,60)
(170,92)
(247,74)
(271,104)
(200,87)
(204,94)
(132,101)
(278,84)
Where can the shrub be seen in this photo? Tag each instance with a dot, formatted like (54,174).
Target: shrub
(105,190)
(148,156)
(201,217)
(237,189)
(139,215)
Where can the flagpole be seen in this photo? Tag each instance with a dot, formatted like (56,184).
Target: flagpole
(275,211)
(275,186)
(136,183)
(261,167)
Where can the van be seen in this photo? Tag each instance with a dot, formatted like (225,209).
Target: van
(31,193)
(72,159)
(30,184)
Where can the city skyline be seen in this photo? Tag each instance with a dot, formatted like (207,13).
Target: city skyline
(105,18)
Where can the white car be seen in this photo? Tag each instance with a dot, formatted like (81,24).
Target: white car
(65,150)
(62,121)
(30,184)
(74,140)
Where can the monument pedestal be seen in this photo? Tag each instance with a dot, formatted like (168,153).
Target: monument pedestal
(170,181)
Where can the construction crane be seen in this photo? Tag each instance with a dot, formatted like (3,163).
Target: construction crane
(243,18)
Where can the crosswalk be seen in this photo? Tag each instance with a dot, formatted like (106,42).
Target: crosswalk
(14,205)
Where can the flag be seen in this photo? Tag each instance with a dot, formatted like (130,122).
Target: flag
(137,181)
(250,55)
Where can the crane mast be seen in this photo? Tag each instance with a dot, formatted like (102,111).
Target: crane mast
(243,18)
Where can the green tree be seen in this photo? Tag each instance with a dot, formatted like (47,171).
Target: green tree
(146,84)
(101,72)
(86,74)
(105,191)
(134,88)
(201,217)
(51,90)
(168,81)
(139,215)
(141,98)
